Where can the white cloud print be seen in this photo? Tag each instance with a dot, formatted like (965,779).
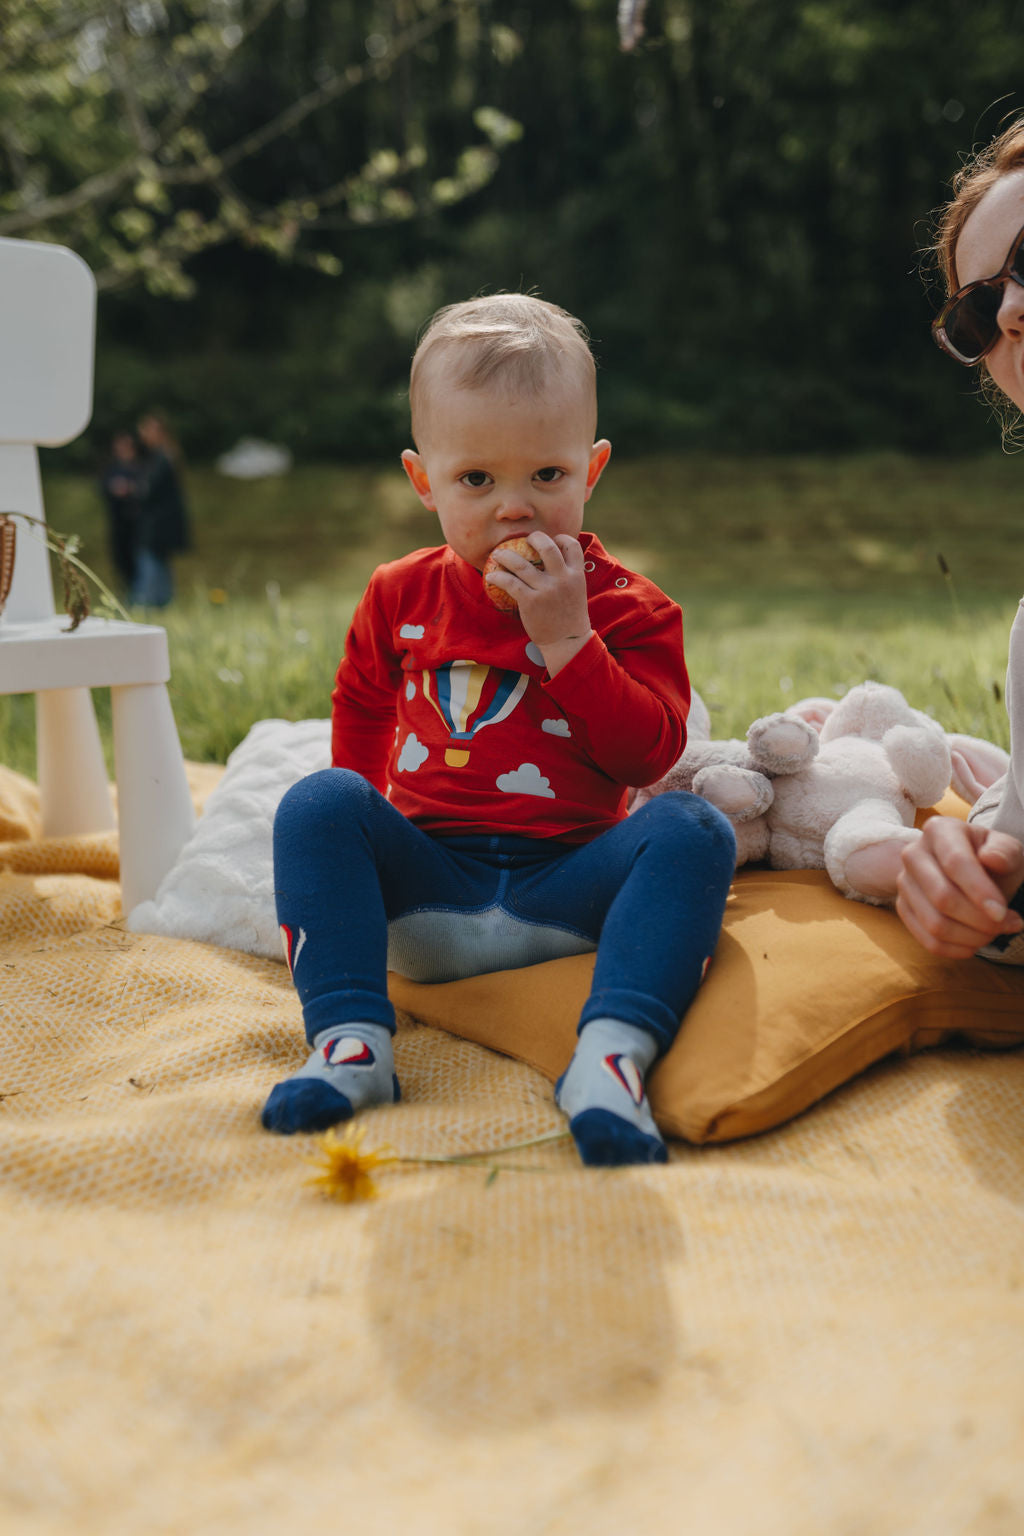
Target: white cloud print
(411,632)
(527,779)
(556,727)
(412,755)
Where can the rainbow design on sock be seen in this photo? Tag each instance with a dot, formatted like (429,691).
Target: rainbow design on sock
(348,1051)
(626,1074)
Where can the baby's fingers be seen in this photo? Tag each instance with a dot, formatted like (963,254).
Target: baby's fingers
(571,551)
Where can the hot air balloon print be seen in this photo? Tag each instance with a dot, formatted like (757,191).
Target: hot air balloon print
(468,695)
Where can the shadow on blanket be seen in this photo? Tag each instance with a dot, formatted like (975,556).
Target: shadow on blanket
(464,1366)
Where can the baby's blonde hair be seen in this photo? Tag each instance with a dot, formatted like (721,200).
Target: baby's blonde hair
(513,338)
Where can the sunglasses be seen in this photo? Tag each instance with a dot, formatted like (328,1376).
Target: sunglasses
(967,326)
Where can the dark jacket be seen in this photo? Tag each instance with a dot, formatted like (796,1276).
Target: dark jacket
(163,527)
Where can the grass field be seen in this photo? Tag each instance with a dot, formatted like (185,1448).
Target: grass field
(797,576)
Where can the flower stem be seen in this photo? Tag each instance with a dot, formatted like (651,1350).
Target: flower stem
(472,1158)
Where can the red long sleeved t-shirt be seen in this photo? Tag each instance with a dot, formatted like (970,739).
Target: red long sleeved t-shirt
(444,704)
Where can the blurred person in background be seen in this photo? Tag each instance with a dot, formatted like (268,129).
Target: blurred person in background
(119,485)
(162,524)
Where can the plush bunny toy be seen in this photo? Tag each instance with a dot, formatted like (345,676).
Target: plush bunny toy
(834,786)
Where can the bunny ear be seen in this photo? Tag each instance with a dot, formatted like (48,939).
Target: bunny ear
(976,765)
(815,711)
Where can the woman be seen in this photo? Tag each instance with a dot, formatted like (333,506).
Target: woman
(162,527)
(961,889)
(119,483)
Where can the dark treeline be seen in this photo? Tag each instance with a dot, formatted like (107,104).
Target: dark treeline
(737,209)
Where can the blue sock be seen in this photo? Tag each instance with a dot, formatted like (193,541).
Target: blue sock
(602,1093)
(352,1065)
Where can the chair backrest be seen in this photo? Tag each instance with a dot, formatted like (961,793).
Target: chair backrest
(47,343)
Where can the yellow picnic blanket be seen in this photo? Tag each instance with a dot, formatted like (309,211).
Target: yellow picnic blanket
(815,1330)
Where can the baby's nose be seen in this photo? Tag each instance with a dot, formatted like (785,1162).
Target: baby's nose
(515,506)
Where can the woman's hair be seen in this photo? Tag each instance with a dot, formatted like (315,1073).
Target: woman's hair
(516,338)
(169,442)
(974,178)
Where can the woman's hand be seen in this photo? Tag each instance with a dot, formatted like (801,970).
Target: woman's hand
(954,885)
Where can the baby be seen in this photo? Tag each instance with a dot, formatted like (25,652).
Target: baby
(475,816)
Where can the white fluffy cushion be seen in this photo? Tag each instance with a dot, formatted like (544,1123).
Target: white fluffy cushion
(221,889)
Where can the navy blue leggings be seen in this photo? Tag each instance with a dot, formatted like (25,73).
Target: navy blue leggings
(360,888)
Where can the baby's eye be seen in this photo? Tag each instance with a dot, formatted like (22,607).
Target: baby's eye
(477,478)
(549,475)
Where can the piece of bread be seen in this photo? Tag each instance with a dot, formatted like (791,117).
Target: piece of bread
(498,596)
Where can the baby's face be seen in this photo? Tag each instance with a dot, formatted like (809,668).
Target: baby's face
(494,467)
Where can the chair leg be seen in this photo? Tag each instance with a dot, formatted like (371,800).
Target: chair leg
(155,809)
(73,791)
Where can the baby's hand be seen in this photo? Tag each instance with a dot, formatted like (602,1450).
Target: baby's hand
(552,597)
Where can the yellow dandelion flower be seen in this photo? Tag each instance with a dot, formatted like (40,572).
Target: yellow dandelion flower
(217,595)
(346,1171)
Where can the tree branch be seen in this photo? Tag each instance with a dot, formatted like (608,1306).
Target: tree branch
(100,188)
(94,189)
(355,75)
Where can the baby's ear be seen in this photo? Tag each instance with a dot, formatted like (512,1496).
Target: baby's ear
(599,456)
(415,468)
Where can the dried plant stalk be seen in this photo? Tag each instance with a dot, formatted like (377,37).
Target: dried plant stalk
(8,541)
(75,574)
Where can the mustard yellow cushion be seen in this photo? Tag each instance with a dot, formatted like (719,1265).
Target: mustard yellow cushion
(805,991)
(950,805)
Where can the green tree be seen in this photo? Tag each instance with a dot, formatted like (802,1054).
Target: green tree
(736,204)
(145,132)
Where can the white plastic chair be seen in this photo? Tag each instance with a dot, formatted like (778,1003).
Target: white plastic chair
(47,326)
